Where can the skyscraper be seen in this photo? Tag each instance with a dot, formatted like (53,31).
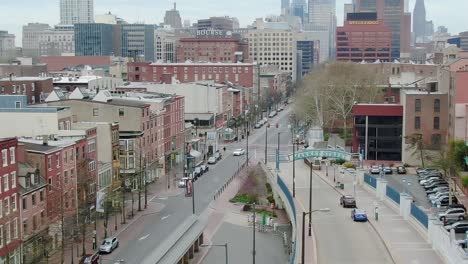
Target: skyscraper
(299,9)
(94,39)
(172,18)
(322,13)
(419,20)
(137,40)
(7,44)
(76,11)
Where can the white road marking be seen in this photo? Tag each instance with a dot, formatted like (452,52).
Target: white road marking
(165,217)
(144,237)
(162,198)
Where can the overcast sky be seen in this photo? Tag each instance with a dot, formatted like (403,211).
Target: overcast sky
(443,12)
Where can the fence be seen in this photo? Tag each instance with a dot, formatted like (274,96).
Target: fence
(289,197)
(420,215)
(370,180)
(392,194)
(226,184)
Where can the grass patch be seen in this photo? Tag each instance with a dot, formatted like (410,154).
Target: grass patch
(267,213)
(243,198)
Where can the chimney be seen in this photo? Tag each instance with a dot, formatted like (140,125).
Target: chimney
(45,140)
(11,77)
(21,152)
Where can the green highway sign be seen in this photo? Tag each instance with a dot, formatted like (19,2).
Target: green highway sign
(319,153)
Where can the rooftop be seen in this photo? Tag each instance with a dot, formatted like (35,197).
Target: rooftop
(202,63)
(78,79)
(416,92)
(24,79)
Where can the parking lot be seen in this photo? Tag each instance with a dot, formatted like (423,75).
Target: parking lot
(409,184)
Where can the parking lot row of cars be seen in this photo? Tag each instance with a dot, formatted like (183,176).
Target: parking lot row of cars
(377,169)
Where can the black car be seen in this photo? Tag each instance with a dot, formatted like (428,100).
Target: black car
(458,227)
(348,201)
(401,170)
(456,205)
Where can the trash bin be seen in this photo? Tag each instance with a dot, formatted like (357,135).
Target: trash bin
(342,186)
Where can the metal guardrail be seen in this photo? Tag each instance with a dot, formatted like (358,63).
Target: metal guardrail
(289,197)
(370,180)
(392,194)
(420,215)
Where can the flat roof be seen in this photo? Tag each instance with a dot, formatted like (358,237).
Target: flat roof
(415,92)
(37,146)
(202,63)
(24,79)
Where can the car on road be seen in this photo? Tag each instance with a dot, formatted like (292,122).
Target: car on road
(280,109)
(258,125)
(458,227)
(218,155)
(109,244)
(359,215)
(454,213)
(348,201)
(238,152)
(401,170)
(212,160)
(387,170)
(90,259)
(374,169)
(198,172)
(182,183)
(272,114)
(204,168)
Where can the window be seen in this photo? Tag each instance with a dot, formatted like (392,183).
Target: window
(65,177)
(50,184)
(92,165)
(4,158)
(417,122)
(121,112)
(43,217)
(417,105)
(436,122)
(91,146)
(12,155)
(15,228)
(7,233)
(13,179)
(6,186)
(95,112)
(57,160)
(436,140)
(1,208)
(41,195)
(34,222)
(7,206)
(437,105)
(13,202)
(1,236)
(25,203)
(49,162)
(25,226)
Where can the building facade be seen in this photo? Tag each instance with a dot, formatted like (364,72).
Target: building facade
(137,40)
(212,50)
(76,11)
(31,35)
(7,45)
(57,41)
(172,18)
(216,23)
(10,217)
(165,45)
(35,88)
(94,39)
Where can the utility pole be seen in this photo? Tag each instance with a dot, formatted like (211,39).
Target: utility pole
(253,244)
(310,199)
(266,141)
(279,141)
(247,152)
(294,171)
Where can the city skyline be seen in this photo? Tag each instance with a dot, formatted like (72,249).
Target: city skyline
(48,11)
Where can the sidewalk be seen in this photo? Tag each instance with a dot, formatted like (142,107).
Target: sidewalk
(159,188)
(404,242)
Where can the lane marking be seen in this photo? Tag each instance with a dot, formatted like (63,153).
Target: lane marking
(162,198)
(165,217)
(144,237)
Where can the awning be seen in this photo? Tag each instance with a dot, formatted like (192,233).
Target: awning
(195,154)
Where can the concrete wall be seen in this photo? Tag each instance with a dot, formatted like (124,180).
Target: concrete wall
(28,124)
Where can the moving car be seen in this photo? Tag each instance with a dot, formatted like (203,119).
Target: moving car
(387,170)
(90,259)
(182,182)
(109,244)
(401,170)
(204,168)
(280,109)
(348,201)
(454,213)
(374,169)
(212,160)
(458,227)
(239,152)
(359,215)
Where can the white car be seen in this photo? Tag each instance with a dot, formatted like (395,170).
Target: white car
(182,182)
(212,160)
(375,170)
(238,152)
(109,244)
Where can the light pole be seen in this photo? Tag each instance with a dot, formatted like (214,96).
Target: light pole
(294,170)
(266,141)
(279,141)
(247,152)
(219,245)
(253,244)
(310,199)
(303,229)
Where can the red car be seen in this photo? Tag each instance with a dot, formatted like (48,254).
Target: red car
(90,259)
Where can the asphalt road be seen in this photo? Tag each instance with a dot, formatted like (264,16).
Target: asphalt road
(140,239)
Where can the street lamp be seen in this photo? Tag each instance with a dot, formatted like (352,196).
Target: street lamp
(219,245)
(266,140)
(303,228)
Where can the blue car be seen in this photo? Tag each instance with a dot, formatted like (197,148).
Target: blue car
(359,215)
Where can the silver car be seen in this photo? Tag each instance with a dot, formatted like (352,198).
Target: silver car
(109,244)
(454,213)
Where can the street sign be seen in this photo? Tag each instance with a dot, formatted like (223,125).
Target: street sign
(319,153)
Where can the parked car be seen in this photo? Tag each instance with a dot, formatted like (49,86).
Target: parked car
(239,152)
(374,169)
(348,201)
(453,213)
(212,160)
(444,201)
(218,155)
(204,168)
(428,179)
(182,182)
(90,259)
(435,184)
(359,215)
(437,189)
(387,170)
(401,170)
(108,245)
(258,125)
(456,205)
(458,227)
(272,114)
(436,196)
(198,171)
(426,170)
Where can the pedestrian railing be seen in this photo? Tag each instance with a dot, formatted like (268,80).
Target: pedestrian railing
(284,188)
(235,175)
(392,194)
(420,215)
(371,181)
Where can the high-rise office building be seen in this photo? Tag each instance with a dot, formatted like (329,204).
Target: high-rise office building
(136,40)
(7,44)
(216,23)
(285,7)
(419,20)
(392,12)
(94,39)
(31,35)
(172,18)
(299,9)
(322,17)
(76,11)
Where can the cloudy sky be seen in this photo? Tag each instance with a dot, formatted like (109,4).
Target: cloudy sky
(443,12)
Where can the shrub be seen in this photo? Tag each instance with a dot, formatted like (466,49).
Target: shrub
(349,165)
(271,199)
(340,161)
(268,187)
(465,181)
(243,198)
(246,207)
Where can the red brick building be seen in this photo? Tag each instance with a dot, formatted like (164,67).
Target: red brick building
(237,73)
(10,218)
(35,88)
(363,40)
(212,50)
